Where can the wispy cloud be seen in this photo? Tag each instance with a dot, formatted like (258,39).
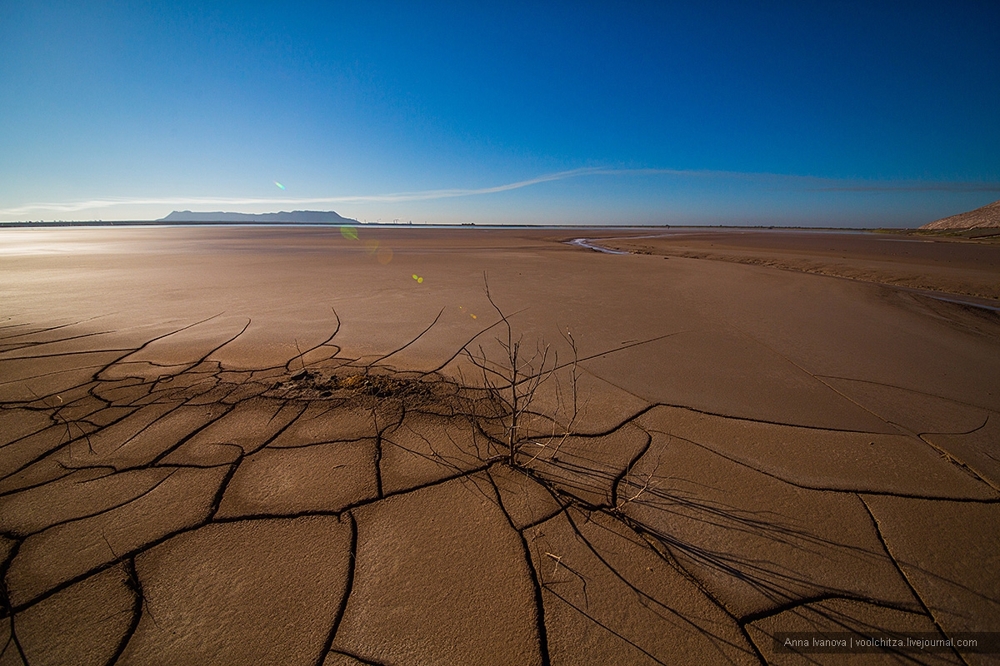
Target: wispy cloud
(915,187)
(423,195)
(808,183)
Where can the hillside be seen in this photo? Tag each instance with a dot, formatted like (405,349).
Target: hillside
(986,217)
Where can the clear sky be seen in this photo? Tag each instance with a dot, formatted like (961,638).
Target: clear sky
(833,113)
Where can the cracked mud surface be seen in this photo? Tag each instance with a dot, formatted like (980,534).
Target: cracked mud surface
(251,446)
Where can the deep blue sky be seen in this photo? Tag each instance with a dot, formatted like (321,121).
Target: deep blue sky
(846,114)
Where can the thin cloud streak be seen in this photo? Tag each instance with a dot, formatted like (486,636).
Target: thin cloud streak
(424,195)
(929,187)
(817,185)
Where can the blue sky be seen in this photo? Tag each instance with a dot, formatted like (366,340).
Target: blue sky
(840,114)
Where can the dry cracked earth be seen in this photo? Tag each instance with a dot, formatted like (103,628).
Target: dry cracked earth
(157,506)
(168,510)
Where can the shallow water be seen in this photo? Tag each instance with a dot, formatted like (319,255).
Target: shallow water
(583,242)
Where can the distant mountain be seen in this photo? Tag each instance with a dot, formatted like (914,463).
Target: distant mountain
(981,218)
(295,217)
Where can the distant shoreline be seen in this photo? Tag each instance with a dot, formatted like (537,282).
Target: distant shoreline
(978,234)
(975,235)
(397,225)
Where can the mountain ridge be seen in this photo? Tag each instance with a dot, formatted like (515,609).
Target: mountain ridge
(295,216)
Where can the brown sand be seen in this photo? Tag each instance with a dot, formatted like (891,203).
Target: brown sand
(210,452)
(953,265)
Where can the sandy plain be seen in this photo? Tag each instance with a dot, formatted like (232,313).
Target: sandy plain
(250,445)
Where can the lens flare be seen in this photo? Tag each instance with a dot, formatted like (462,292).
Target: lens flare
(419,279)
(280,186)
(350,233)
(384,255)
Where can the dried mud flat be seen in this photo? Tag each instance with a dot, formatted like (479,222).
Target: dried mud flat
(955,265)
(258,445)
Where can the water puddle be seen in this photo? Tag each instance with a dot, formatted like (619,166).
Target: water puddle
(585,243)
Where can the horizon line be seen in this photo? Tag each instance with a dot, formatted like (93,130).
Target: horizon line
(819,184)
